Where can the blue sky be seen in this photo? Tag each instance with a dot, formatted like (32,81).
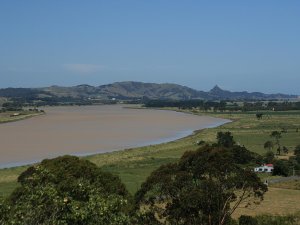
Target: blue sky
(249,45)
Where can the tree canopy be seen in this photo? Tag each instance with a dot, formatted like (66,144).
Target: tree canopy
(225,139)
(268,145)
(67,190)
(277,135)
(204,187)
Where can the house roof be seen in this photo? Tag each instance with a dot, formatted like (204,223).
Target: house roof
(269,165)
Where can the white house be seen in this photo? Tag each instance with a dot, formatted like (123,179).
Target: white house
(266,168)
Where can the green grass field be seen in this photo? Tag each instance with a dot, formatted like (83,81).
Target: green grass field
(134,165)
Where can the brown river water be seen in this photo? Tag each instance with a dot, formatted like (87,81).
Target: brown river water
(85,130)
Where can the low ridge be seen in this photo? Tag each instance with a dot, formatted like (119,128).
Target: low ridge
(138,90)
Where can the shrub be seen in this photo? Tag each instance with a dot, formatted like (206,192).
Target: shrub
(247,220)
(67,190)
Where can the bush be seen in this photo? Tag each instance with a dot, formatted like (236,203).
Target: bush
(281,168)
(278,220)
(67,190)
(269,157)
(247,220)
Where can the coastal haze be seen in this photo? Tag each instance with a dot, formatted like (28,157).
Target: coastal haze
(88,130)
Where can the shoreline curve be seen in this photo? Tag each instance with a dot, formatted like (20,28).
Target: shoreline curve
(179,135)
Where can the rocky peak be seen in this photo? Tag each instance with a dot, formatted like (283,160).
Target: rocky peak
(216,89)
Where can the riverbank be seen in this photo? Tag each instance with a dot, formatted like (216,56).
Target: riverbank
(134,165)
(9,176)
(90,130)
(13,116)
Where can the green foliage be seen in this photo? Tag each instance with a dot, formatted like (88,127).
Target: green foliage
(297,150)
(285,150)
(247,220)
(269,157)
(204,187)
(297,154)
(242,155)
(268,145)
(12,106)
(259,116)
(67,190)
(3,210)
(281,168)
(225,139)
(278,220)
(276,135)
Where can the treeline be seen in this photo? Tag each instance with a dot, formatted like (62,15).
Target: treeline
(20,93)
(17,98)
(224,105)
(43,101)
(15,104)
(275,106)
(40,98)
(186,104)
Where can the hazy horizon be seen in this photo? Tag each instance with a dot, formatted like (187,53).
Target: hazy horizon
(239,46)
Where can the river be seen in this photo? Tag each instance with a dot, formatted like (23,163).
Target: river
(84,130)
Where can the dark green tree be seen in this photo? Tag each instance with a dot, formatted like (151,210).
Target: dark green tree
(269,157)
(247,220)
(259,116)
(67,190)
(225,139)
(276,135)
(285,150)
(268,145)
(242,155)
(204,187)
(297,153)
(297,150)
(281,168)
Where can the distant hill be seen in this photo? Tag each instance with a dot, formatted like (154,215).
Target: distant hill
(136,90)
(218,93)
(149,90)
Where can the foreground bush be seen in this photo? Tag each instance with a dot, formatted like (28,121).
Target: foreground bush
(66,190)
(247,220)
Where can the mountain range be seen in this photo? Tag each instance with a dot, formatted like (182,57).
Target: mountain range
(137,90)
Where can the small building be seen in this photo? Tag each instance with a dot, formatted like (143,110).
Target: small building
(266,168)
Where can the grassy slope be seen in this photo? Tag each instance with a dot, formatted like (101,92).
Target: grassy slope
(134,165)
(8,179)
(293,184)
(277,201)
